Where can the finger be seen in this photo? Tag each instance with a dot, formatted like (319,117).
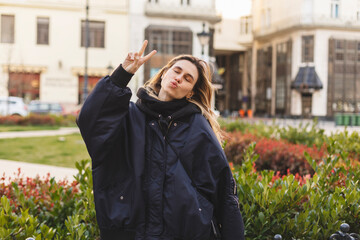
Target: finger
(131,56)
(136,56)
(147,57)
(143,47)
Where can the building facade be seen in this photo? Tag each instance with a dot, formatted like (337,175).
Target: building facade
(42,45)
(232,49)
(305,57)
(171,27)
(42,42)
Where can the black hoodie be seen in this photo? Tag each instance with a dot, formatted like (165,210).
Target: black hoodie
(165,111)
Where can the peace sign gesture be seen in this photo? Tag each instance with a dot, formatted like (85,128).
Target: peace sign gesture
(134,60)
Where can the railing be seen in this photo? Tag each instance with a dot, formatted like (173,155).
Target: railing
(339,235)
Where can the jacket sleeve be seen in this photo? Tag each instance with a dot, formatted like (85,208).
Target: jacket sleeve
(103,114)
(229,216)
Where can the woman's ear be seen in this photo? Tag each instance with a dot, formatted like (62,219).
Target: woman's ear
(190,94)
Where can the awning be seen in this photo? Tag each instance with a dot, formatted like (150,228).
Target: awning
(24,68)
(307,78)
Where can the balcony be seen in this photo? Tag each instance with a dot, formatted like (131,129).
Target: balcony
(171,10)
(301,22)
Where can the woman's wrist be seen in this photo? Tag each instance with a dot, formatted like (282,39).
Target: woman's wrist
(121,77)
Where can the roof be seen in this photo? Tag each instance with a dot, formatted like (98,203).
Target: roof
(306,78)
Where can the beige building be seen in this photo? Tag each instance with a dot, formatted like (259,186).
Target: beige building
(306,57)
(171,27)
(42,42)
(42,46)
(291,58)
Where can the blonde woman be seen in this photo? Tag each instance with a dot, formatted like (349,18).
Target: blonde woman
(159,171)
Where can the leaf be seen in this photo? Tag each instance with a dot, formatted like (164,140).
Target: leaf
(5,203)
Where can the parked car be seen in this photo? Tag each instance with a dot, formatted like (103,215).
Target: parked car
(38,107)
(13,106)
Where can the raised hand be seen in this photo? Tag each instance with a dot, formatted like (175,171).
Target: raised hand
(134,60)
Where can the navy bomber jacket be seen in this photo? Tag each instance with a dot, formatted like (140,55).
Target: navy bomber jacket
(142,187)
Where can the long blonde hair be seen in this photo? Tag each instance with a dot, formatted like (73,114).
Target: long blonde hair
(203,89)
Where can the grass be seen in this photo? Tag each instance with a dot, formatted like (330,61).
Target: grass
(13,128)
(61,151)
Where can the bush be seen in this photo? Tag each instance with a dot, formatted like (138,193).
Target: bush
(277,155)
(345,142)
(48,208)
(307,134)
(37,120)
(297,207)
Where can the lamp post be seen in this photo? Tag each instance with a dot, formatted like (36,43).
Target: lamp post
(110,68)
(204,38)
(85,92)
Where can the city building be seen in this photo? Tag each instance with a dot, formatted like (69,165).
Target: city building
(232,48)
(42,45)
(172,28)
(42,42)
(305,57)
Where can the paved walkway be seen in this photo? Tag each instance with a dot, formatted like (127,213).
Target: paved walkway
(328,126)
(10,168)
(40,133)
(30,169)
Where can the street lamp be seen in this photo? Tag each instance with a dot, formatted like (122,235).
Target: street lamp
(85,93)
(204,38)
(110,68)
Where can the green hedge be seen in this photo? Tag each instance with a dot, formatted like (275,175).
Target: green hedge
(298,208)
(46,209)
(293,206)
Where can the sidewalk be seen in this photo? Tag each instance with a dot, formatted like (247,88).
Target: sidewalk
(328,126)
(10,168)
(40,133)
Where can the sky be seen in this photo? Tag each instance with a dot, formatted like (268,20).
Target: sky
(233,8)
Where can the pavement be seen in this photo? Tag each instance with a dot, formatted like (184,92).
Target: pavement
(31,170)
(328,126)
(10,168)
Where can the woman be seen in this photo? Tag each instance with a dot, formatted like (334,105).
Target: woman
(159,171)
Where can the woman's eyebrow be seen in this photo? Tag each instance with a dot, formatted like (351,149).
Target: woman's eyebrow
(186,73)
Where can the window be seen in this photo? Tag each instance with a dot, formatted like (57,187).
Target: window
(307,49)
(245,25)
(171,41)
(7,28)
(42,30)
(283,77)
(335,8)
(344,77)
(185,2)
(96,34)
(268,17)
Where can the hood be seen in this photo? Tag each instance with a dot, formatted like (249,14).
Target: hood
(171,110)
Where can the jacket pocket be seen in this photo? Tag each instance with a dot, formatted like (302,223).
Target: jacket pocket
(114,205)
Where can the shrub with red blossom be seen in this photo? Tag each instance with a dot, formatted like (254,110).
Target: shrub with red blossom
(277,155)
(51,201)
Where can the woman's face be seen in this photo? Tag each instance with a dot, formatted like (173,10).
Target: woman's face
(178,81)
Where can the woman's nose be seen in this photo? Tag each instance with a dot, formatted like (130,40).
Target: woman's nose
(178,78)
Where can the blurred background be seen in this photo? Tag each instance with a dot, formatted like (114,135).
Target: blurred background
(291,59)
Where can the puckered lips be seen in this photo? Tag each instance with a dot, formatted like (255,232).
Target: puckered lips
(173,84)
